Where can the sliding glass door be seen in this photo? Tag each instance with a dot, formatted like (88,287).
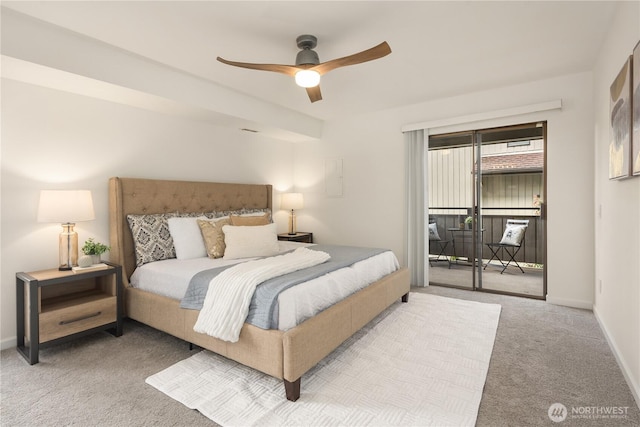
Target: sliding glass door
(486,210)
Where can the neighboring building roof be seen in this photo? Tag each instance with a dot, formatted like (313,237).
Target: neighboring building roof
(521,162)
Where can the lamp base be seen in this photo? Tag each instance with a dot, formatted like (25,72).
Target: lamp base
(68,247)
(292,224)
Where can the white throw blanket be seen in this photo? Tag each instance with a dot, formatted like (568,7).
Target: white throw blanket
(226,305)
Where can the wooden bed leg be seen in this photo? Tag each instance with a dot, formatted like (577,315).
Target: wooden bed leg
(292,389)
(405,297)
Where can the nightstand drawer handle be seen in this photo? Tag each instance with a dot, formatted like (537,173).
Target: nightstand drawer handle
(66,322)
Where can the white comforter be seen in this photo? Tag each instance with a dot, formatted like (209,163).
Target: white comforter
(226,304)
(170,278)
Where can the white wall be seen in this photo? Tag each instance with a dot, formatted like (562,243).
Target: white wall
(617,248)
(371,212)
(57,140)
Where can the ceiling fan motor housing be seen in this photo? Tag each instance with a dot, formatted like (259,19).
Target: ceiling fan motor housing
(307,56)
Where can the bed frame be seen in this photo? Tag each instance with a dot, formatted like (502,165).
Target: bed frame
(284,355)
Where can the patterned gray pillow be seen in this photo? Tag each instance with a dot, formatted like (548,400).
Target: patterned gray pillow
(151,238)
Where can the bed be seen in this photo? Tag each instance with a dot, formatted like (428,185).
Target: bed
(286,355)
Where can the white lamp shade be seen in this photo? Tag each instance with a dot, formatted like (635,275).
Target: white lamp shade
(307,78)
(292,201)
(65,206)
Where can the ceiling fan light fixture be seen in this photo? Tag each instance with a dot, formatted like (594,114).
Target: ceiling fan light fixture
(307,78)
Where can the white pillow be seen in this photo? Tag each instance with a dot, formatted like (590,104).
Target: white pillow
(245,241)
(187,237)
(433,232)
(513,235)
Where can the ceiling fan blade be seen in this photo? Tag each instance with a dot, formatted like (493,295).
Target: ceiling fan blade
(289,70)
(314,93)
(375,52)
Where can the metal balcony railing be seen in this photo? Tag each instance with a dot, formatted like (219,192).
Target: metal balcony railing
(493,226)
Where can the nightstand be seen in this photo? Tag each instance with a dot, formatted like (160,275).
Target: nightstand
(54,306)
(301,237)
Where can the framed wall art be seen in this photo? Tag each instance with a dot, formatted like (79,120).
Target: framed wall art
(620,119)
(635,103)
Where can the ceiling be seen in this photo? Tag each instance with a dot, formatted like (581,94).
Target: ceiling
(440,49)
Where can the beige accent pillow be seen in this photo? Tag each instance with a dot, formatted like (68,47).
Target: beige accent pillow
(213,236)
(249,220)
(248,242)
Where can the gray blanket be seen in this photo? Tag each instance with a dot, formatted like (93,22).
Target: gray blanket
(263,311)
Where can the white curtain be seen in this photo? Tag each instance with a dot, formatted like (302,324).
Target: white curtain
(416,199)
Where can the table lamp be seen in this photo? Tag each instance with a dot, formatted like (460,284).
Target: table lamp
(292,201)
(66,207)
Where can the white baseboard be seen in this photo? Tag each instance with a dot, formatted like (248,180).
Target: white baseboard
(8,343)
(633,385)
(586,305)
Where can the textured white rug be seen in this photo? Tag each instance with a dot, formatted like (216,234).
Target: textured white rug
(423,363)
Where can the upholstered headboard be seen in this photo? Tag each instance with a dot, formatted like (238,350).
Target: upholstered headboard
(148,196)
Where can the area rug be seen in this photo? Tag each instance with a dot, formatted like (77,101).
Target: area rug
(423,363)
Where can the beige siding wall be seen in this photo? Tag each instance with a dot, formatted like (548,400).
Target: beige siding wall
(451,184)
(450,180)
(511,190)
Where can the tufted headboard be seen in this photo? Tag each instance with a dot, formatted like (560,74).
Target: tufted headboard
(148,196)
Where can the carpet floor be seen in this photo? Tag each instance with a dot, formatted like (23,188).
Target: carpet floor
(543,354)
(418,364)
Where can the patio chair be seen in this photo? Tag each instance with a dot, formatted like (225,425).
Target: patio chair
(511,242)
(441,245)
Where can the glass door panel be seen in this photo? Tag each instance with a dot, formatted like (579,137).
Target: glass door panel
(451,198)
(511,193)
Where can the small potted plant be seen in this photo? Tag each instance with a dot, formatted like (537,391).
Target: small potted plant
(469,221)
(94,249)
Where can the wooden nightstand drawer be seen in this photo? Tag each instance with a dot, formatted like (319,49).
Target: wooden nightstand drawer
(63,321)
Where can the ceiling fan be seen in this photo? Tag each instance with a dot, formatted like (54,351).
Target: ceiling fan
(308,68)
